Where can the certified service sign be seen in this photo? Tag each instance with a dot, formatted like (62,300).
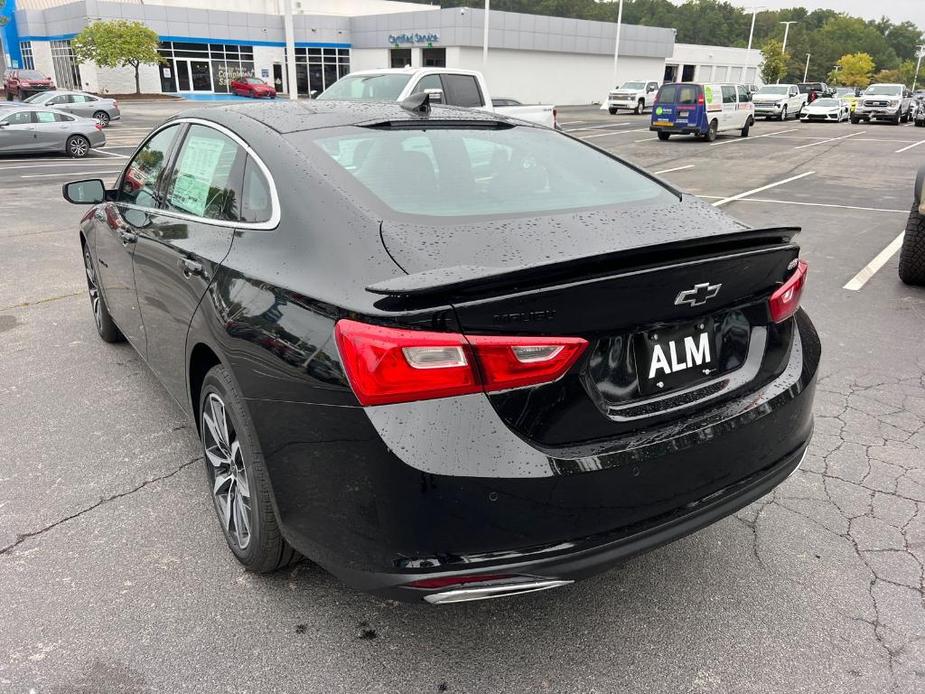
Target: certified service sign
(396,39)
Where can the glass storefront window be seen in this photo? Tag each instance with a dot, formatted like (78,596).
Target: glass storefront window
(318,68)
(204,67)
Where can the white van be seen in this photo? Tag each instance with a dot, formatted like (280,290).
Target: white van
(692,108)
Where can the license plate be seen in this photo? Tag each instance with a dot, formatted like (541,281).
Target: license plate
(677,357)
(663,123)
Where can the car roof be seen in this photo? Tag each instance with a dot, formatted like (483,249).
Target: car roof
(413,71)
(296,116)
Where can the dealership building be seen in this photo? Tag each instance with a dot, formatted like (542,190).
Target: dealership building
(532,58)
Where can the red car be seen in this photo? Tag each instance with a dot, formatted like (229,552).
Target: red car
(252,86)
(19,84)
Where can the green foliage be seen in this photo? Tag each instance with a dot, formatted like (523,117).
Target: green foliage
(118,43)
(774,65)
(904,74)
(3,20)
(825,34)
(854,70)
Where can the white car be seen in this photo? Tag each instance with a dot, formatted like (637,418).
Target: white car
(826,109)
(637,95)
(779,101)
(465,88)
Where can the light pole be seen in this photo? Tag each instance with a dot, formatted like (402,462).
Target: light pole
(786,31)
(918,64)
(485,36)
(835,69)
(616,46)
(748,51)
(290,51)
(806,69)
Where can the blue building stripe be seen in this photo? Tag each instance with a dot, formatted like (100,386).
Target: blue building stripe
(10,34)
(192,39)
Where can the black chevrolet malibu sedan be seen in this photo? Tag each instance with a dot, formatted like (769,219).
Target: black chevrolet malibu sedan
(447,355)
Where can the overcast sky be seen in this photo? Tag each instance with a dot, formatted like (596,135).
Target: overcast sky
(896,10)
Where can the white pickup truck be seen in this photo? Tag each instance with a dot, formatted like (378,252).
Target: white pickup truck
(637,95)
(779,101)
(465,88)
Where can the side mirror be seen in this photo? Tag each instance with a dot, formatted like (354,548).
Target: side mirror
(313,93)
(436,95)
(650,89)
(89,192)
(4,124)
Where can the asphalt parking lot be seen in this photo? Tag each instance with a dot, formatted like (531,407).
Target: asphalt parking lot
(115,576)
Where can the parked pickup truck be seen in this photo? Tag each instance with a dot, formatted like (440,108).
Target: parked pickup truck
(465,88)
(892,102)
(779,101)
(637,95)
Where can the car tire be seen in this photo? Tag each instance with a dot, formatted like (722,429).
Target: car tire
(640,107)
(855,121)
(744,131)
(710,135)
(612,111)
(105,326)
(912,254)
(102,118)
(904,117)
(9,96)
(664,136)
(920,124)
(77,146)
(783,114)
(238,479)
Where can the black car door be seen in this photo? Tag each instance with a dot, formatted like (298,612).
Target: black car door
(117,226)
(184,241)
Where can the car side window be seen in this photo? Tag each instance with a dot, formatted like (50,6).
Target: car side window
(139,182)
(794,91)
(19,118)
(60,99)
(428,82)
(45,117)
(207,178)
(729,94)
(63,118)
(79,99)
(744,96)
(463,90)
(257,202)
(651,87)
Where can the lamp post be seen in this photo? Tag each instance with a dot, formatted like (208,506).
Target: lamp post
(806,69)
(918,64)
(616,46)
(786,32)
(485,35)
(291,78)
(835,69)
(748,51)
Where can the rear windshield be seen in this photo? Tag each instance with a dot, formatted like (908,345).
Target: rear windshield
(465,171)
(31,75)
(683,94)
(366,88)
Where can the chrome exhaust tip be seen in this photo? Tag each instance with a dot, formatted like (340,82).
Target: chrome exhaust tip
(493,591)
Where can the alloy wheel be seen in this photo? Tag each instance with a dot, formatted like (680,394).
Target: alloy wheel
(227,472)
(78,146)
(102,118)
(94,291)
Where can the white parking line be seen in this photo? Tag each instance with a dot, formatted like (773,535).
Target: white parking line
(758,190)
(111,154)
(599,127)
(746,139)
(645,139)
(572,122)
(677,168)
(920,142)
(619,132)
(72,173)
(831,139)
(868,271)
(817,204)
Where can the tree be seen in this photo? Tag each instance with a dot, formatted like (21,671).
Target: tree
(118,43)
(774,61)
(854,70)
(901,75)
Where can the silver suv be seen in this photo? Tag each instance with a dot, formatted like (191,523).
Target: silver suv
(892,102)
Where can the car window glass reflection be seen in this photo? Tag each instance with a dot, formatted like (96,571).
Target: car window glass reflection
(20,118)
(44,117)
(139,182)
(205,181)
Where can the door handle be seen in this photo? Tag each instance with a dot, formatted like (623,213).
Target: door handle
(127,237)
(190,267)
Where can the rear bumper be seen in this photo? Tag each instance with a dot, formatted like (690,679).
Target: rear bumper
(389,495)
(677,130)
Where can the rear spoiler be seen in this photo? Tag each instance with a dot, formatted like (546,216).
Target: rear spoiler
(466,280)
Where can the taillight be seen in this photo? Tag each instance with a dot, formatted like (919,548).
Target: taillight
(99,127)
(700,101)
(388,365)
(115,103)
(785,301)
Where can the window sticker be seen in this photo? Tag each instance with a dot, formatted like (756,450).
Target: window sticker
(195,174)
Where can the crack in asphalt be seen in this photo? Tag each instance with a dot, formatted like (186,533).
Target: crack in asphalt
(22,537)
(863,463)
(24,304)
